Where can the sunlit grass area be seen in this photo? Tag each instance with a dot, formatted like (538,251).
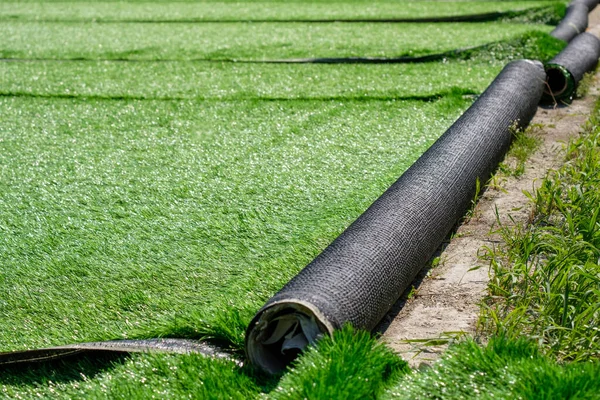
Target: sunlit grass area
(502,369)
(252,41)
(546,276)
(120,216)
(132,11)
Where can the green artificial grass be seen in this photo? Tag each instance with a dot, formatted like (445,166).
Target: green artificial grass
(538,11)
(226,81)
(122,218)
(351,365)
(546,278)
(252,41)
(502,369)
(203,80)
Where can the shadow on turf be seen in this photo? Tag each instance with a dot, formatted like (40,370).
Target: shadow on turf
(69,369)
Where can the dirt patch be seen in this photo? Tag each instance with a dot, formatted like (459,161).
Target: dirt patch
(445,298)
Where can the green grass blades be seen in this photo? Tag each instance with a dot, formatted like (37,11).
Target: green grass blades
(250,41)
(240,11)
(502,369)
(181,80)
(524,144)
(546,280)
(228,81)
(124,218)
(532,45)
(539,11)
(349,365)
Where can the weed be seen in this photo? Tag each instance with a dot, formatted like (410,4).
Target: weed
(584,85)
(412,293)
(503,369)
(524,143)
(472,211)
(545,279)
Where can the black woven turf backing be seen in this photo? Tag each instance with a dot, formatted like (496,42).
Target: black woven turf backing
(359,276)
(574,22)
(565,71)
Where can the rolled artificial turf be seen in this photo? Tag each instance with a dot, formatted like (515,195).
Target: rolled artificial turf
(566,70)
(574,22)
(359,276)
(590,4)
(143,200)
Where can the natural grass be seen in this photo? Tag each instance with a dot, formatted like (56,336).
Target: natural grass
(539,11)
(524,143)
(502,369)
(163,41)
(545,279)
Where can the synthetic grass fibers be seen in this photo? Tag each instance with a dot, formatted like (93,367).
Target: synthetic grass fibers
(249,41)
(123,216)
(242,11)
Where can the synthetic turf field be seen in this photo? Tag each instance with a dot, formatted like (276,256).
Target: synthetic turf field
(156,198)
(255,10)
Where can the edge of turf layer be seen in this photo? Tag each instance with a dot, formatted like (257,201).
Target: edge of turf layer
(533,44)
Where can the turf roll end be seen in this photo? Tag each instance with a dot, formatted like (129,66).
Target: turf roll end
(560,83)
(281,331)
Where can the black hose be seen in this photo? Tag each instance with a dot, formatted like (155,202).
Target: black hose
(565,71)
(359,276)
(574,22)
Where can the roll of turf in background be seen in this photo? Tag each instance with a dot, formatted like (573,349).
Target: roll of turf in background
(565,71)
(574,22)
(590,4)
(359,276)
